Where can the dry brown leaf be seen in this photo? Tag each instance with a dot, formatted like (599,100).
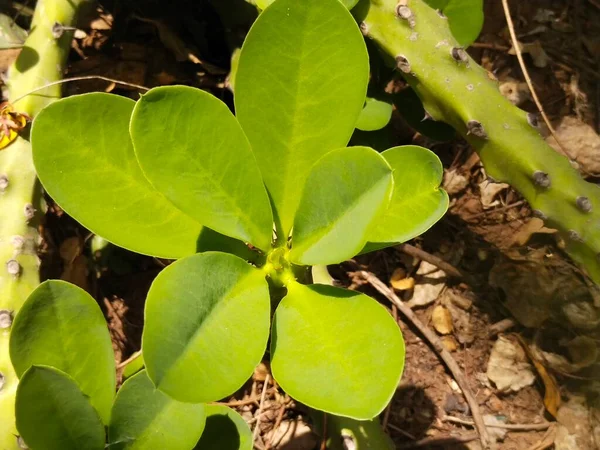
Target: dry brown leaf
(449,343)
(489,191)
(430,282)
(535,225)
(400,281)
(508,367)
(580,142)
(538,55)
(442,320)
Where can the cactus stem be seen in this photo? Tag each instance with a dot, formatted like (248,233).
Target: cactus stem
(541,179)
(475,128)
(402,63)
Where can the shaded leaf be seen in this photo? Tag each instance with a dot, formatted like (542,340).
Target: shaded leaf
(417,201)
(225,430)
(465,18)
(299,89)
(53,414)
(375,115)
(62,326)
(207,324)
(193,150)
(345,192)
(336,350)
(143,418)
(84,158)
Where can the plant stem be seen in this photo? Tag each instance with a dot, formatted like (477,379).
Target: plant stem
(40,62)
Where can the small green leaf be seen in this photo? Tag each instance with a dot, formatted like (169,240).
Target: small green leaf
(417,201)
(143,418)
(207,325)
(465,18)
(345,191)
(53,414)
(225,430)
(375,115)
(84,158)
(336,350)
(61,326)
(300,86)
(193,150)
(262,4)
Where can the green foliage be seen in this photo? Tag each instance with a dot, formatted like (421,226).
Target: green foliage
(465,18)
(300,88)
(184,140)
(88,163)
(205,333)
(345,192)
(53,414)
(375,115)
(143,418)
(61,326)
(225,430)
(326,345)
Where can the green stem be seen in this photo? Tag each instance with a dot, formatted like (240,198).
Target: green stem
(454,89)
(41,61)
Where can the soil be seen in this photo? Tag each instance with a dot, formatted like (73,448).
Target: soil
(514,270)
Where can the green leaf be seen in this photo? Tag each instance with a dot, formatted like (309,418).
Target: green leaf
(346,190)
(262,4)
(300,86)
(465,18)
(417,200)
(193,150)
(61,326)
(366,434)
(225,430)
(207,324)
(375,115)
(53,414)
(11,34)
(336,350)
(84,158)
(133,366)
(144,418)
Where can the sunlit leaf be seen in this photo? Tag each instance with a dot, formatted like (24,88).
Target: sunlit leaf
(336,350)
(207,324)
(53,414)
(143,418)
(300,86)
(465,17)
(375,115)
(62,326)
(84,158)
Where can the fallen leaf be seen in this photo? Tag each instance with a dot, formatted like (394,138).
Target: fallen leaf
(454,182)
(535,49)
(449,343)
(489,191)
(580,142)
(441,320)
(535,225)
(400,281)
(508,367)
(430,282)
(515,91)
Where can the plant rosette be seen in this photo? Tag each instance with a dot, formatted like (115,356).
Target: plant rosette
(177,175)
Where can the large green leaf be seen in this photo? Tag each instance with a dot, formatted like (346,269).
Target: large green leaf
(262,4)
(300,87)
(336,350)
(84,157)
(193,150)
(345,191)
(207,324)
(225,430)
(143,418)
(61,326)
(53,414)
(417,201)
(465,17)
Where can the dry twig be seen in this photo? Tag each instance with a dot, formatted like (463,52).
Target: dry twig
(440,441)
(505,426)
(436,344)
(260,407)
(431,259)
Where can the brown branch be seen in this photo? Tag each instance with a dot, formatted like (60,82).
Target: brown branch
(505,426)
(437,346)
(260,407)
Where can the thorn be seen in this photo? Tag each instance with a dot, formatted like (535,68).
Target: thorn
(470,87)
(58,30)
(402,64)
(574,236)
(13,267)
(2,379)
(364,28)
(475,128)
(584,204)
(539,214)
(6,319)
(405,13)
(427,116)
(3,183)
(541,179)
(441,13)
(29,211)
(459,55)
